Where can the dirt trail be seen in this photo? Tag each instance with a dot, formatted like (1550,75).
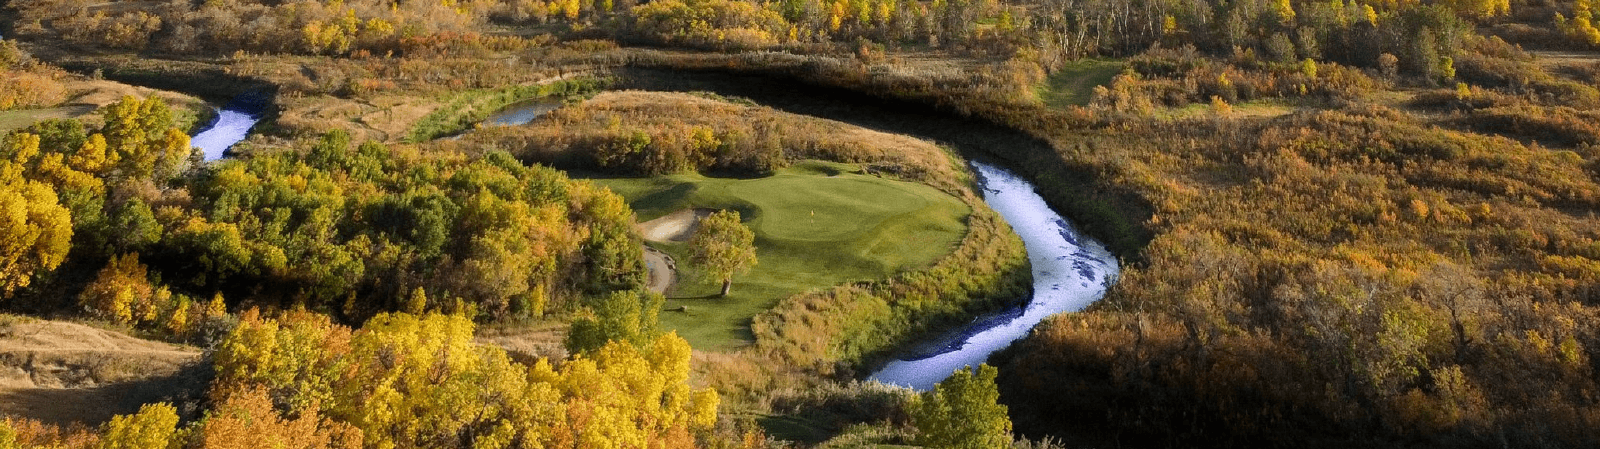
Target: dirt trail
(1550,59)
(673,227)
(663,270)
(62,372)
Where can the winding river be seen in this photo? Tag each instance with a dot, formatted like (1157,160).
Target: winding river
(1070,271)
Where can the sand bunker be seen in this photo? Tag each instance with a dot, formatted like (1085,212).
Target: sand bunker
(674,227)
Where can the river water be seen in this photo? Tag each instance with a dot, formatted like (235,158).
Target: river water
(230,128)
(1070,271)
(523,112)
(232,124)
(233,121)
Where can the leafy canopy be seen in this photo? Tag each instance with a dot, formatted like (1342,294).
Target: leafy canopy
(723,246)
(963,412)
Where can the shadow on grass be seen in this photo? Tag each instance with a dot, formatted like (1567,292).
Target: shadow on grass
(674,195)
(95,405)
(794,429)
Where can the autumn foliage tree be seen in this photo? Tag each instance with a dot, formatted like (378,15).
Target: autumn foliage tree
(25,83)
(35,230)
(1581,26)
(247,419)
(509,239)
(121,291)
(723,247)
(419,381)
(155,426)
(142,139)
(57,173)
(962,412)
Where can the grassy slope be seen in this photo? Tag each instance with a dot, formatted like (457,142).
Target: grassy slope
(18,119)
(87,96)
(813,230)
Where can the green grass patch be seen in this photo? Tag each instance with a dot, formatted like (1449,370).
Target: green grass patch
(23,118)
(817,225)
(1074,83)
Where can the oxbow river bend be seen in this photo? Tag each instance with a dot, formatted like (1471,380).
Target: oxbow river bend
(1070,271)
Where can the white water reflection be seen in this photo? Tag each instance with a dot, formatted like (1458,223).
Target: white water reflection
(231,127)
(1070,271)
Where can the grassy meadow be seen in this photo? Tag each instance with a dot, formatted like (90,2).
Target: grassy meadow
(1073,84)
(817,224)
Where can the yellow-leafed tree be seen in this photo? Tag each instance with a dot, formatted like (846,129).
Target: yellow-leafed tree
(35,230)
(152,428)
(247,420)
(419,381)
(120,292)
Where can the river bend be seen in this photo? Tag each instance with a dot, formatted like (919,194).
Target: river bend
(1070,271)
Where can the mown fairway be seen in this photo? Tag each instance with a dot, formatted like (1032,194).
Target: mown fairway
(817,225)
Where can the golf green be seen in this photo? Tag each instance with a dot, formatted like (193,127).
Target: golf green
(817,225)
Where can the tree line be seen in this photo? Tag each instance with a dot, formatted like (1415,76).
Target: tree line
(342,228)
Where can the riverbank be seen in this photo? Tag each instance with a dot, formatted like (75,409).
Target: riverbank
(1070,271)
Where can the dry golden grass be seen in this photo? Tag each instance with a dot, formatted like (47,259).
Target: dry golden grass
(542,339)
(62,372)
(54,354)
(563,133)
(78,97)
(380,118)
(648,108)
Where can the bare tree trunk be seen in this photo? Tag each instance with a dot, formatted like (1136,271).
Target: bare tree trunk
(727,284)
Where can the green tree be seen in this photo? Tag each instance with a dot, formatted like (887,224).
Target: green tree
(723,247)
(626,316)
(962,412)
(136,226)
